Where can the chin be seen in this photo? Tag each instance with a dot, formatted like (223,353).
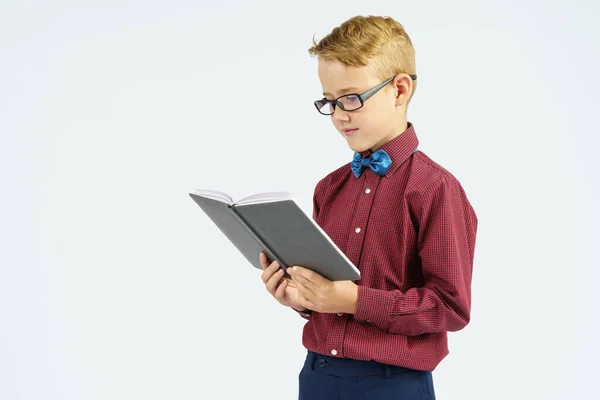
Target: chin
(358,145)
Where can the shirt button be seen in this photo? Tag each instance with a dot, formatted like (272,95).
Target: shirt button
(357,230)
(334,352)
(340,314)
(367,190)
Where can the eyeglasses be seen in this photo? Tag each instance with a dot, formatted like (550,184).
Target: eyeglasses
(352,101)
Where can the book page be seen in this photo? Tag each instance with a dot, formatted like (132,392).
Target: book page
(264,198)
(214,195)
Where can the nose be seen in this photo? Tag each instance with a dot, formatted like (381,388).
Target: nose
(340,115)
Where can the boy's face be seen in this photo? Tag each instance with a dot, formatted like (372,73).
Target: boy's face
(380,119)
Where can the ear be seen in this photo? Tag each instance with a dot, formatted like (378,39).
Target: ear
(403,84)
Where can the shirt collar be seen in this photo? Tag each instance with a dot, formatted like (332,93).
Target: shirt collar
(399,148)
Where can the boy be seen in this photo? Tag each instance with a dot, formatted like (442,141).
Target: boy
(401,218)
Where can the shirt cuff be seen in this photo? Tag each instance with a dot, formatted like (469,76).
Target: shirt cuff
(307,314)
(374,306)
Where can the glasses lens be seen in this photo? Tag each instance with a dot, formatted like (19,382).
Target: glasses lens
(350,102)
(324,107)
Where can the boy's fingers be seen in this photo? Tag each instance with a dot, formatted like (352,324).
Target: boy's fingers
(290,282)
(280,292)
(263,260)
(273,281)
(269,271)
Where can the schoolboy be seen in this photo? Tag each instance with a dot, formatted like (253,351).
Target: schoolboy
(400,217)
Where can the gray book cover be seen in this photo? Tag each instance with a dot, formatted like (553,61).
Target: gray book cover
(275,224)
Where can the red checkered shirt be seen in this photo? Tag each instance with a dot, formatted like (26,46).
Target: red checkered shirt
(411,233)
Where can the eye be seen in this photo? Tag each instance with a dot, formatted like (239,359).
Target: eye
(352,99)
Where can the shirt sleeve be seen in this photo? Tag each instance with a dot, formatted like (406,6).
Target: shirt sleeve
(307,314)
(447,226)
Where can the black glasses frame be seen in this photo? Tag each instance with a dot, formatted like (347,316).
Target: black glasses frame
(319,104)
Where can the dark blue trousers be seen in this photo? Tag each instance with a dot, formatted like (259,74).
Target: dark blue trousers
(328,378)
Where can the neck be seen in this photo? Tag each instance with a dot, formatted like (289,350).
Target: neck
(400,129)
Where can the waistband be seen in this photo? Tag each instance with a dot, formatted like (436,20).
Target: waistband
(351,367)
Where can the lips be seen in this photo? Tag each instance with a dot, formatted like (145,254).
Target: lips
(349,132)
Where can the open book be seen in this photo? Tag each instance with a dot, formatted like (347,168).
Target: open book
(273,223)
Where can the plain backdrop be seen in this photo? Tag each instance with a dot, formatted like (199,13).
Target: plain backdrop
(115,285)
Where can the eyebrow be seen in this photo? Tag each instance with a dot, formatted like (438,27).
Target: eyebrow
(343,91)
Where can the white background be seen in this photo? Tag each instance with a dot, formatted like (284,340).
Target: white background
(115,285)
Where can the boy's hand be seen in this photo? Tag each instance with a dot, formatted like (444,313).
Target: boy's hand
(322,295)
(283,289)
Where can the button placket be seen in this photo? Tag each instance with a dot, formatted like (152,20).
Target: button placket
(359,222)
(355,243)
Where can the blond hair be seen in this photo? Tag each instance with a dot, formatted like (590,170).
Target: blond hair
(379,43)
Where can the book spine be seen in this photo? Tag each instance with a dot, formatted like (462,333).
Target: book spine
(267,248)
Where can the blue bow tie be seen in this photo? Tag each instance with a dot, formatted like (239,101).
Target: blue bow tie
(380,162)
